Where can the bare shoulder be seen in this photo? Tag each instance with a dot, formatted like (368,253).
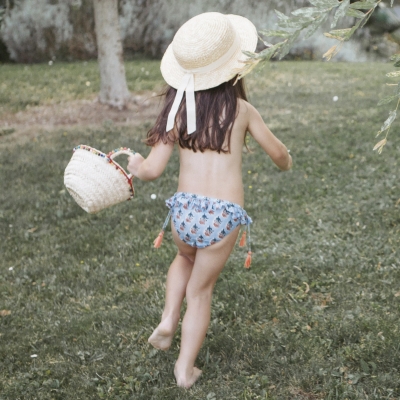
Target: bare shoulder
(245,107)
(246,112)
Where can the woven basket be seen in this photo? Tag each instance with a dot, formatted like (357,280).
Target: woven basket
(95,180)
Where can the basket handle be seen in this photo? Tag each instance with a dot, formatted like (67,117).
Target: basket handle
(121,150)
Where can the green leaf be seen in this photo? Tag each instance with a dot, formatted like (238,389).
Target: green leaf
(309,11)
(387,100)
(389,121)
(288,45)
(364,5)
(311,29)
(266,44)
(250,54)
(340,12)
(340,34)
(281,16)
(344,34)
(330,36)
(295,23)
(267,54)
(360,23)
(325,3)
(269,33)
(363,21)
(351,12)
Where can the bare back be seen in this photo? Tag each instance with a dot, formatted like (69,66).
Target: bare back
(214,174)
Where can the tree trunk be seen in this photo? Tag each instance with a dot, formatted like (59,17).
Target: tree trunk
(113,87)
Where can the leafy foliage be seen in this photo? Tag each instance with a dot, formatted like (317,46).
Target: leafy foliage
(392,115)
(307,20)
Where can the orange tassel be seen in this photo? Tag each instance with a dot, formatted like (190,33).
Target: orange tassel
(242,242)
(247,263)
(158,240)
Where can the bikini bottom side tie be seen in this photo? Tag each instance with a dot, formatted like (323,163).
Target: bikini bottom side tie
(158,240)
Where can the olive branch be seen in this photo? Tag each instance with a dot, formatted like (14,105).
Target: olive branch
(307,20)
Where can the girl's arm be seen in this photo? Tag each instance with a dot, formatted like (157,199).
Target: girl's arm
(267,140)
(150,168)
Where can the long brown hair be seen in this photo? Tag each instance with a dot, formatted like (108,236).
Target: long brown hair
(212,130)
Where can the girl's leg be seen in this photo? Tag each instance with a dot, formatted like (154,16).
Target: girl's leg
(177,279)
(207,266)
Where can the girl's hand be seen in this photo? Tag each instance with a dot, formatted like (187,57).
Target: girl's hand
(150,168)
(134,163)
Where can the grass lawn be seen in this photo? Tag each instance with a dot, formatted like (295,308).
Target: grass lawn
(317,315)
(24,86)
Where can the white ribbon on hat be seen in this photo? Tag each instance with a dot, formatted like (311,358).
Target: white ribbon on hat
(187,85)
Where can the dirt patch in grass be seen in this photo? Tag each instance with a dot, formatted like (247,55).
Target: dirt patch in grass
(82,113)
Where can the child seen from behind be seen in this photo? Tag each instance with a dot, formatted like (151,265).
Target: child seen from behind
(207,115)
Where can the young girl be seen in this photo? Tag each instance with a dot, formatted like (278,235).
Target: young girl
(209,127)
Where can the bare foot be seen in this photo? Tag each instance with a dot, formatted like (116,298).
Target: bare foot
(186,380)
(162,336)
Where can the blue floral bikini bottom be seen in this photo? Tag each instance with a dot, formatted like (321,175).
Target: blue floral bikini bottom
(202,221)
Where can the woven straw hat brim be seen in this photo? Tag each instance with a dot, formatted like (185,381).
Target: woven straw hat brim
(247,33)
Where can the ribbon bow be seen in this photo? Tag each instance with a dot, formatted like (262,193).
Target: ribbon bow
(187,85)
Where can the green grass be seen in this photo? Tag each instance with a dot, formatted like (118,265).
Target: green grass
(23,86)
(316,317)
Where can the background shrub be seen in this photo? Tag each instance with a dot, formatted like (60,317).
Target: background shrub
(41,30)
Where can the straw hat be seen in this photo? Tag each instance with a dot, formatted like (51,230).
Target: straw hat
(210,46)
(206,51)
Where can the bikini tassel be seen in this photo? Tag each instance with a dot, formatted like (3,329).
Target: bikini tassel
(158,240)
(247,263)
(242,242)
